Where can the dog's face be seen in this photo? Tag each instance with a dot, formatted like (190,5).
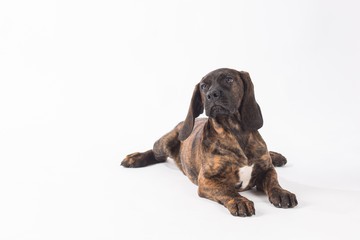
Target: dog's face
(221,92)
(224,92)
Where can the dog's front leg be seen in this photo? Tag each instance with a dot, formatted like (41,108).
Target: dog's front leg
(278,196)
(218,191)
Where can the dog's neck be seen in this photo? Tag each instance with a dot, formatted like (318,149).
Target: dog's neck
(224,124)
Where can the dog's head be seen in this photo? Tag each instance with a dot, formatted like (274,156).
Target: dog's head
(224,92)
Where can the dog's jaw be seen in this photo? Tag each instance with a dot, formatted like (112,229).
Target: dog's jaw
(218,110)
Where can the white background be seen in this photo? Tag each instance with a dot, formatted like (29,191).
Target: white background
(83,83)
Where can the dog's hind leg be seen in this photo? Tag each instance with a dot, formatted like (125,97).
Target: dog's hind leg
(140,159)
(277,159)
(166,146)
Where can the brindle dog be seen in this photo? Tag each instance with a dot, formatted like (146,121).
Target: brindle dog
(224,153)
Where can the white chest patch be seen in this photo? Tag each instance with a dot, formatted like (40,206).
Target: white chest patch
(245,176)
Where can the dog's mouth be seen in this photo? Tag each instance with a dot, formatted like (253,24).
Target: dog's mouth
(218,110)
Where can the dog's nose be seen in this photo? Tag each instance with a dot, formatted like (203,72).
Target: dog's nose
(213,95)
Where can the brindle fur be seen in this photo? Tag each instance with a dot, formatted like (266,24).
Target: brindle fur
(211,150)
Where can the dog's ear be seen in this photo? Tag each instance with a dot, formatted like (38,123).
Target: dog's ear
(250,113)
(195,109)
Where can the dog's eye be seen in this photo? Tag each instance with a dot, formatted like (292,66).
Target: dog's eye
(203,86)
(229,80)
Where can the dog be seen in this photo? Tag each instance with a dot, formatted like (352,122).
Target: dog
(223,154)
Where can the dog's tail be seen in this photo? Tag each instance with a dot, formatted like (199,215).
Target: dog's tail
(278,160)
(136,160)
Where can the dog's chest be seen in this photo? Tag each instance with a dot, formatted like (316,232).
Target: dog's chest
(245,176)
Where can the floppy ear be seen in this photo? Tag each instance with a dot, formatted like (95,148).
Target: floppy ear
(251,117)
(195,109)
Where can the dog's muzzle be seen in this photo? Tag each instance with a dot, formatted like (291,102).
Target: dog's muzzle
(218,110)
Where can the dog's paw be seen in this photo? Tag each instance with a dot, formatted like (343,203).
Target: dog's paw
(241,207)
(282,199)
(133,160)
(277,159)
(142,159)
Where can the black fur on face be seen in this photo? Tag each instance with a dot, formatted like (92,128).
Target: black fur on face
(224,92)
(221,92)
